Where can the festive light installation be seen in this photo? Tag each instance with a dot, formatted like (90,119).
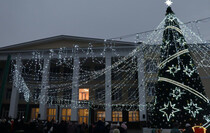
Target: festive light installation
(177,69)
(123,67)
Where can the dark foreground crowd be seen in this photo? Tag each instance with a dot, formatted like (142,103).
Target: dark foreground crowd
(36,126)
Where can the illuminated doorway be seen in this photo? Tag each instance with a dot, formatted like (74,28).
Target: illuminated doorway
(83,116)
(66,114)
(51,113)
(101,115)
(117,116)
(133,116)
(34,113)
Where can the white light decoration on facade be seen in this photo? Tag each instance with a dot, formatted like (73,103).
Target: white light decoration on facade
(169,107)
(154,38)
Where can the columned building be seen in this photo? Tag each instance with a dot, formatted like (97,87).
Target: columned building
(61,78)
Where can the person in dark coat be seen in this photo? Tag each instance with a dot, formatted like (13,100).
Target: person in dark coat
(62,128)
(107,127)
(82,128)
(175,129)
(4,126)
(123,128)
(92,127)
(100,127)
(188,128)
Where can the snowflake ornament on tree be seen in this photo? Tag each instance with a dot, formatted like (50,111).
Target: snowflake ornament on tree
(177,93)
(189,72)
(169,110)
(173,69)
(193,108)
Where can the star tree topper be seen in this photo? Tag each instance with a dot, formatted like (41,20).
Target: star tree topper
(169,110)
(169,2)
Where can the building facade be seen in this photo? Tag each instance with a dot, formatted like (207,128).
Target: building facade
(61,78)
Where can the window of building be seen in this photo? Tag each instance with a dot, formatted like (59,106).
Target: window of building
(117,116)
(117,95)
(133,94)
(83,116)
(101,115)
(1,73)
(21,113)
(100,94)
(151,66)
(66,114)
(8,94)
(21,96)
(51,113)
(67,95)
(34,113)
(52,96)
(133,116)
(5,112)
(84,94)
(36,93)
(150,89)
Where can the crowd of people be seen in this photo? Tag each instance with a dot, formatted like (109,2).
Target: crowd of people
(188,129)
(36,126)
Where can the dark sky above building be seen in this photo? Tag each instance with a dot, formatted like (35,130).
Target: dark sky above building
(28,20)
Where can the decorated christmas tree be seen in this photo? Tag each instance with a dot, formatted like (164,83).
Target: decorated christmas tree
(180,96)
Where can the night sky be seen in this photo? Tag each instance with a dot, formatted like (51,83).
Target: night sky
(28,20)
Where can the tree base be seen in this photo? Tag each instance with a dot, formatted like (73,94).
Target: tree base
(149,130)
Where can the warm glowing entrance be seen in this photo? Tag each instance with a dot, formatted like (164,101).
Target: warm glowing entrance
(66,114)
(133,116)
(117,116)
(34,113)
(51,113)
(83,116)
(101,115)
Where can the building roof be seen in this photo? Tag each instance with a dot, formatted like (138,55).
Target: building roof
(61,41)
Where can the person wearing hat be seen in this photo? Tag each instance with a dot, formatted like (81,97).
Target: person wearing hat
(175,128)
(188,128)
(107,127)
(123,128)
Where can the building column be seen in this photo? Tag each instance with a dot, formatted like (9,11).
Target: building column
(75,90)
(108,88)
(142,93)
(13,108)
(44,87)
(60,114)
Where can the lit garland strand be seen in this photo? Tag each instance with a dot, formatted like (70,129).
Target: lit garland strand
(173,57)
(94,74)
(184,87)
